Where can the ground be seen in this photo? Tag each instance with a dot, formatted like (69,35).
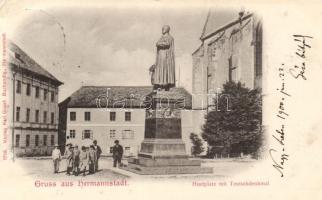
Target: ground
(42,168)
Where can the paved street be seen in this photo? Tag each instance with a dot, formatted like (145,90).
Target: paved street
(43,168)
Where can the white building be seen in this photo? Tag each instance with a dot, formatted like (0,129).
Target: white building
(35,101)
(89,117)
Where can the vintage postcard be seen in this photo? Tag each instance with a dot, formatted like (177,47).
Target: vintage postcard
(160,99)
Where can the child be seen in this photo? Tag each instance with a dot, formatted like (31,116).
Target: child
(56,158)
(84,159)
(76,160)
(92,159)
(69,159)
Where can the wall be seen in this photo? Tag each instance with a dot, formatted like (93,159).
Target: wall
(101,125)
(199,80)
(22,127)
(235,42)
(242,42)
(239,41)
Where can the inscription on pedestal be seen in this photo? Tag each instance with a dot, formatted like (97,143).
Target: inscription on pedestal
(163,128)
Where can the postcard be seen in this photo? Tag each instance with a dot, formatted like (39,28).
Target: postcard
(160,99)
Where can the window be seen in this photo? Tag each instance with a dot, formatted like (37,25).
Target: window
(36,140)
(17,140)
(52,140)
(127,116)
(87,134)
(45,140)
(112,134)
(45,94)
(127,148)
(72,133)
(231,69)
(52,118)
(28,90)
(18,114)
(258,50)
(37,116)
(27,114)
(112,116)
(52,96)
(87,116)
(45,117)
(128,134)
(37,92)
(18,88)
(72,116)
(27,140)
(18,56)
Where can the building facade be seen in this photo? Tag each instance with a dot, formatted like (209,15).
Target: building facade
(35,105)
(230,50)
(109,113)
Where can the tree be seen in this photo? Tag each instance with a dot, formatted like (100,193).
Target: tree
(235,124)
(197,143)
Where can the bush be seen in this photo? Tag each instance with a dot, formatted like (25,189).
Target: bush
(197,143)
(235,125)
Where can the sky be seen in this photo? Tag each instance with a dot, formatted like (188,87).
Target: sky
(107,46)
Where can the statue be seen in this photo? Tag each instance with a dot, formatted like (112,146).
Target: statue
(163,71)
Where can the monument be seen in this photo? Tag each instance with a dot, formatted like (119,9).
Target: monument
(163,150)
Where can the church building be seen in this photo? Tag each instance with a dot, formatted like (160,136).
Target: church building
(230,50)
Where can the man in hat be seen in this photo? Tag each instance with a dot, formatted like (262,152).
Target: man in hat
(98,153)
(117,153)
(56,158)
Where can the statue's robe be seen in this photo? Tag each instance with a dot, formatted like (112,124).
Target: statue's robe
(164,71)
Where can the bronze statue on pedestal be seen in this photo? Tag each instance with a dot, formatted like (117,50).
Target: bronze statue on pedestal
(163,71)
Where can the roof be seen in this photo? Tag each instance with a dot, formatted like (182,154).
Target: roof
(23,61)
(118,96)
(218,20)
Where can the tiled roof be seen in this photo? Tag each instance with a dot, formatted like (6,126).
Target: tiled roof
(26,63)
(217,19)
(118,96)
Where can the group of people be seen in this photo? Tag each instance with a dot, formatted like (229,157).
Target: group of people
(78,161)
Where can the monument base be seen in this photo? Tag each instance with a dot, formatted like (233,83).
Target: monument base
(162,148)
(163,151)
(166,166)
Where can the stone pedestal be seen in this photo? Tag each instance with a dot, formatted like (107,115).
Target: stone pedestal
(163,150)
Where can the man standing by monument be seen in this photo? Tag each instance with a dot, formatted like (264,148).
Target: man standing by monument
(98,153)
(163,71)
(117,154)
